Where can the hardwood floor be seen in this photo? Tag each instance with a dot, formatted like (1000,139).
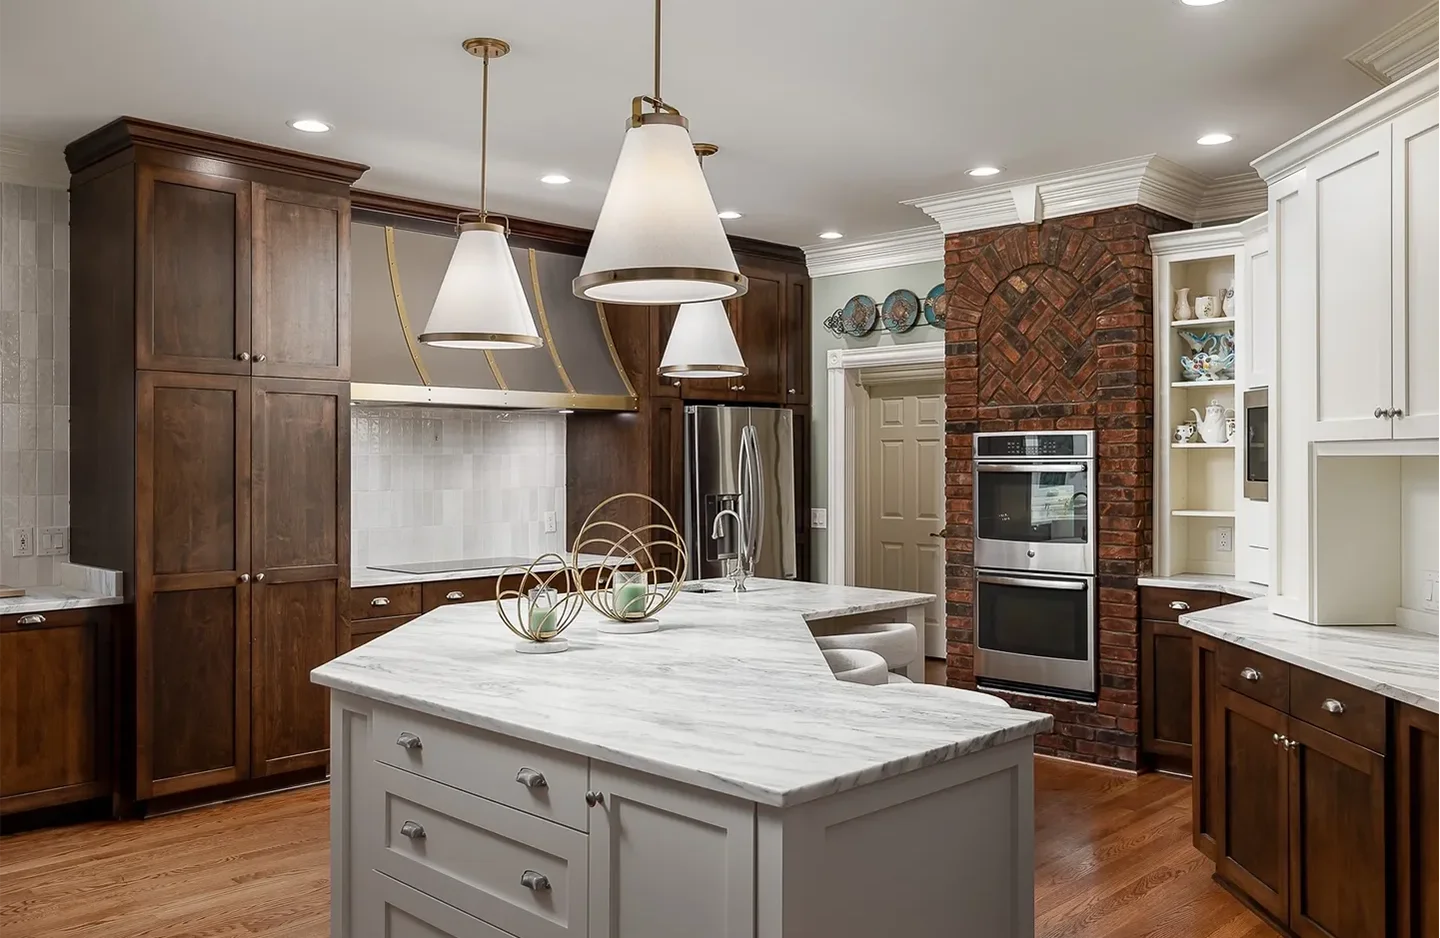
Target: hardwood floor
(1112,854)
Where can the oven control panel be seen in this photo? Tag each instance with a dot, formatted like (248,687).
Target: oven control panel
(1079,445)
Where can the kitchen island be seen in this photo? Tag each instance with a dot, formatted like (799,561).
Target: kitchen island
(709,779)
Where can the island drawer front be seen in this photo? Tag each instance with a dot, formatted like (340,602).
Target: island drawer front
(1315,699)
(487,765)
(478,856)
(1254,675)
(409,913)
(377,602)
(1164,604)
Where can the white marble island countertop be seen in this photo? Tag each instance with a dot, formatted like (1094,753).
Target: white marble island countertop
(1398,663)
(731,695)
(361,577)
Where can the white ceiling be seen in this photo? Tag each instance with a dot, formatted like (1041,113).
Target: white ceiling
(827,112)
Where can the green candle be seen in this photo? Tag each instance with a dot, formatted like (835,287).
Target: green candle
(543,621)
(630,599)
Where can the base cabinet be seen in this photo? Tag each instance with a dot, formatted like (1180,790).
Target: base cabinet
(1417,818)
(1254,794)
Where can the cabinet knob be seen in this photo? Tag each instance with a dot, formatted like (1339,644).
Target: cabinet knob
(1379,412)
(1397,412)
(1250,674)
(592,798)
(380,601)
(260,357)
(1179,605)
(412,830)
(259,578)
(792,391)
(1276,737)
(34,618)
(244,578)
(408,741)
(454,595)
(531,778)
(1290,745)
(534,881)
(1331,705)
(243,356)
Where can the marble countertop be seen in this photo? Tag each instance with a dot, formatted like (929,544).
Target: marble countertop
(1210,583)
(731,695)
(361,577)
(1398,663)
(54,599)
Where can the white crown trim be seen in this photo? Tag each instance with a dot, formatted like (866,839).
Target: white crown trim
(27,163)
(1204,241)
(895,249)
(1402,48)
(1380,107)
(1232,197)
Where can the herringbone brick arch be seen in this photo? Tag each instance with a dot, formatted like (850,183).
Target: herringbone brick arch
(1036,339)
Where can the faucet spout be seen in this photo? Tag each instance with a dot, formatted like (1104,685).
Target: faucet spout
(742,563)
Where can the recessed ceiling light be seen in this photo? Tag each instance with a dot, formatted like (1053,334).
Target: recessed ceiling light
(831,235)
(555,179)
(983,171)
(1213,140)
(1201,3)
(310,125)
(729,214)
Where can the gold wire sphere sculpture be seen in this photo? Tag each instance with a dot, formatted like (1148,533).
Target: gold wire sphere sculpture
(642,568)
(538,605)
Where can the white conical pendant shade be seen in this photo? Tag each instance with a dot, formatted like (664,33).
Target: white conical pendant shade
(481,304)
(658,239)
(702,344)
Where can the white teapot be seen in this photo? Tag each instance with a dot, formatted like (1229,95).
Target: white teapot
(1212,425)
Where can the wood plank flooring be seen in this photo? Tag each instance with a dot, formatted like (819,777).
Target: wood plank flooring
(1112,854)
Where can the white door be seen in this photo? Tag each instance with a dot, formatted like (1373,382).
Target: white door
(905,497)
(1416,306)
(668,860)
(1350,187)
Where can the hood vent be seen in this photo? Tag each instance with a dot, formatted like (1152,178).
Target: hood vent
(396,274)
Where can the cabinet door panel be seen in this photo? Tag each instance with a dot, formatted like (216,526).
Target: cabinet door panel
(1205,761)
(1416,244)
(1417,818)
(1165,692)
(760,332)
(301,493)
(294,632)
(1337,836)
(1253,801)
(302,284)
(797,339)
(192,259)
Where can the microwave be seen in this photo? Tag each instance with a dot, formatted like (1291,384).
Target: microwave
(1257,444)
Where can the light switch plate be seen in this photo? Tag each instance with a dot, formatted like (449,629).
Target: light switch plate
(24,545)
(550,523)
(1432,601)
(818,517)
(52,542)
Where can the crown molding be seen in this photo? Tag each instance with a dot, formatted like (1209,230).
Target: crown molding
(1210,240)
(27,163)
(1380,107)
(895,249)
(1401,49)
(1232,197)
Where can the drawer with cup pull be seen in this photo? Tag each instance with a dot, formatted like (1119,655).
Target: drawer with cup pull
(377,602)
(449,592)
(50,619)
(1164,604)
(1255,675)
(510,869)
(535,779)
(1339,708)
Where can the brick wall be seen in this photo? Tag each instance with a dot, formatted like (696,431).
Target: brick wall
(1049,327)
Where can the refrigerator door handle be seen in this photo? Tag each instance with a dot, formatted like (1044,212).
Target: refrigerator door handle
(757,488)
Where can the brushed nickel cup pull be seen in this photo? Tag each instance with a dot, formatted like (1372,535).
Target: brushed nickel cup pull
(454,595)
(379,601)
(408,741)
(1250,674)
(412,830)
(34,618)
(1179,605)
(535,882)
(592,798)
(531,778)
(1331,705)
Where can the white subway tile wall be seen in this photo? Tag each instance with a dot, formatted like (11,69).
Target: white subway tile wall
(34,374)
(447,484)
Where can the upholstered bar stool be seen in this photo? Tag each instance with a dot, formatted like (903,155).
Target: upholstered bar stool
(896,642)
(856,666)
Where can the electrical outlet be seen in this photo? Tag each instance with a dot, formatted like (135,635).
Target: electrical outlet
(550,522)
(1432,602)
(24,543)
(1224,539)
(51,542)
(818,517)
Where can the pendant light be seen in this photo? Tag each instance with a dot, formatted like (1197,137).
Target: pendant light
(481,304)
(702,343)
(658,240)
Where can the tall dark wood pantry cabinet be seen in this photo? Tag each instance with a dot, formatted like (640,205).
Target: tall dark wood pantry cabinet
(210,438)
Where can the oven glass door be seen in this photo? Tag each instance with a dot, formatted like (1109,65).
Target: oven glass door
(1038,631)
(1034,516)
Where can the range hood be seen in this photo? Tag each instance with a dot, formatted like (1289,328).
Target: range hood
(395,276)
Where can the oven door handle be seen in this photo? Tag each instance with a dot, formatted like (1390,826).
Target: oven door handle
(1038,584)
(1030,467)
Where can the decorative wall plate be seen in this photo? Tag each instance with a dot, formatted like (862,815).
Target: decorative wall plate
(901,310)
(934,306)
(859,315)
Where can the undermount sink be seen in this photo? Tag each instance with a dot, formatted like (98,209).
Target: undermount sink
(697,588)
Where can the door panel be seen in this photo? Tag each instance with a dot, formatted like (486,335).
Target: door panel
(1417,817)
(1416,303)
(1253,841)
(1165,688)
(197,479)
(797,339)
(760,331)
(192,260)
(302,284)
(1337,837)
(294,633)
(301,435)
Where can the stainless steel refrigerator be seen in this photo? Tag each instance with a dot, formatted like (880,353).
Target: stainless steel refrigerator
(741,458)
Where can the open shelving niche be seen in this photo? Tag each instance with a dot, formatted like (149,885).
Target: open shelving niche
(1197,485)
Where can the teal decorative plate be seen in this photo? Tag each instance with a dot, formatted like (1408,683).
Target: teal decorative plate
(859,315)
(935,305)
(901,310)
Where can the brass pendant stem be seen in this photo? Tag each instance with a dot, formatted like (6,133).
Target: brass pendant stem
(658,99)
(484,125)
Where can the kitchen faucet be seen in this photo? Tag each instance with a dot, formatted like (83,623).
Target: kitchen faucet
(742,562)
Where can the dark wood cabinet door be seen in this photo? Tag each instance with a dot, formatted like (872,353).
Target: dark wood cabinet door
(192,272)
(662,323)
(192,619)
(300,524)
(301,323)
(667,470)
(803,566)
(797,339)
(1337,836)
(1254,801)
(1206,766)
(760,324)
(54,688)
(1165,689)
(1417,818)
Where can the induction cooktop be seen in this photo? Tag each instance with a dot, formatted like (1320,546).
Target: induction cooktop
(454,566)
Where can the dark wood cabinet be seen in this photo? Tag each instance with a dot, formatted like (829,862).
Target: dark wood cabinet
(760,318)
(797,339)
(1253,800)
(1414,847)
(1205,776)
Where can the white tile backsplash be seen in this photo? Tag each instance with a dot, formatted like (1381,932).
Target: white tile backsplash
(446,484)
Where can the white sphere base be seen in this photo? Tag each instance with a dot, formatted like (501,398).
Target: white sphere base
(629,626)
(554,646)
